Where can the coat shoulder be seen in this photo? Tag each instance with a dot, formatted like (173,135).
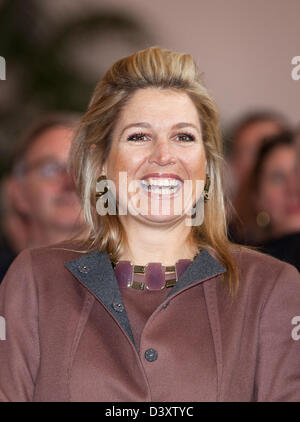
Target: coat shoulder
(58,253)
(250,259)
(261,271)
(43,262)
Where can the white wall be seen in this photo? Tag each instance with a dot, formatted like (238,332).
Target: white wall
(244,47)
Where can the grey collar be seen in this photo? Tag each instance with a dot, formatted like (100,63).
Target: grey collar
(94,270)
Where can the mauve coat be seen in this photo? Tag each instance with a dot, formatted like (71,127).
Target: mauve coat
(69,339)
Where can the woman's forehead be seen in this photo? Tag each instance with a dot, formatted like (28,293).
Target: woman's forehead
(153,106)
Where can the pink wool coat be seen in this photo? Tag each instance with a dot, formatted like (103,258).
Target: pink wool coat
(68,337)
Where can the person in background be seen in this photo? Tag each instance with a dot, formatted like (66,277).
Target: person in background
(39,200)
(297,141)
(14,226)
(245,139)
(271,215)
(242,143)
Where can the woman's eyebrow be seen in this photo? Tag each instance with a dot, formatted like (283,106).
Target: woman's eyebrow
(182,125)
(146,125)
(139,124)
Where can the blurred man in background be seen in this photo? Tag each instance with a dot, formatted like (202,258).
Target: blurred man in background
(41,206)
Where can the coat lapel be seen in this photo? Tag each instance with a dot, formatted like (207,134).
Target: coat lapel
(94,271)
(203,267)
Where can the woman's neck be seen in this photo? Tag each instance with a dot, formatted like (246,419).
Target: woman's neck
(158,243)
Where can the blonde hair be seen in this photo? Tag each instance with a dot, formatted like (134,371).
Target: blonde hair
(164,69)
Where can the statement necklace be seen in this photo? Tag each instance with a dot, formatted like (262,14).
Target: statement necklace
(153,276)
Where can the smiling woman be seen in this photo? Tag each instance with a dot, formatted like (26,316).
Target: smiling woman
(156,304)
(160,152)
(151,116)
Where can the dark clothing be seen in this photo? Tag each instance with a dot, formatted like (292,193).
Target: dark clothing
(7,255)
(286,248)
(238,233)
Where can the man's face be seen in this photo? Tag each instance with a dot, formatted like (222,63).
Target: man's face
(47,191)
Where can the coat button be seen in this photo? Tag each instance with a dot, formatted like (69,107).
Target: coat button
(151,355)
(118,307)
(83,269)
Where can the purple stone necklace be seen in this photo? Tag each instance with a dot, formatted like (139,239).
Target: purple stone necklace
(153,276)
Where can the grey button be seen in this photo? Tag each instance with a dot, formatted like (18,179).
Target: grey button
(83,269)
(151,355)
(118,307)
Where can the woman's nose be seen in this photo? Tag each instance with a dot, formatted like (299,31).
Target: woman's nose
(162,154)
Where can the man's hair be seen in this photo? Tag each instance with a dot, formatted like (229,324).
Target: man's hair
(37,128)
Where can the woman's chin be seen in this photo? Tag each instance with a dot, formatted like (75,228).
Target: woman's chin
(161,218)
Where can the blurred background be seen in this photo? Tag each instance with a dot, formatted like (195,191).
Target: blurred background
(57,50)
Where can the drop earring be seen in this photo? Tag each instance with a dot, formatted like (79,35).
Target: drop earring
(103,189)
(206,188)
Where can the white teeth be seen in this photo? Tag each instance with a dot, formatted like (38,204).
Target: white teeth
(166,183)
(161,186)
(163,191)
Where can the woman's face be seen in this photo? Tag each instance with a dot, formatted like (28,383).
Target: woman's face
(278,192)
(157,144)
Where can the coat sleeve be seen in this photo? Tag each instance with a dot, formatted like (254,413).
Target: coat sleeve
(278,364)
(19,341)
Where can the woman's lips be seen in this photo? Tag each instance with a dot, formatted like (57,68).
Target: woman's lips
(161,184)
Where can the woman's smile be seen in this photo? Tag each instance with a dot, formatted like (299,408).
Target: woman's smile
(161,185)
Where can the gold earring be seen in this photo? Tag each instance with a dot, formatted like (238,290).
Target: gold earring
(106,187)
(105,190)
(206,188)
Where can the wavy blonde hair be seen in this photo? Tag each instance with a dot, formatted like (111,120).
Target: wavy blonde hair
(164,69)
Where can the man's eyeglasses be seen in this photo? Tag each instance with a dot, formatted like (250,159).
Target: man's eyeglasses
(47,169)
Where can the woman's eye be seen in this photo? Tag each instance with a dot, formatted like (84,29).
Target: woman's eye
(185,137)
(138,137)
